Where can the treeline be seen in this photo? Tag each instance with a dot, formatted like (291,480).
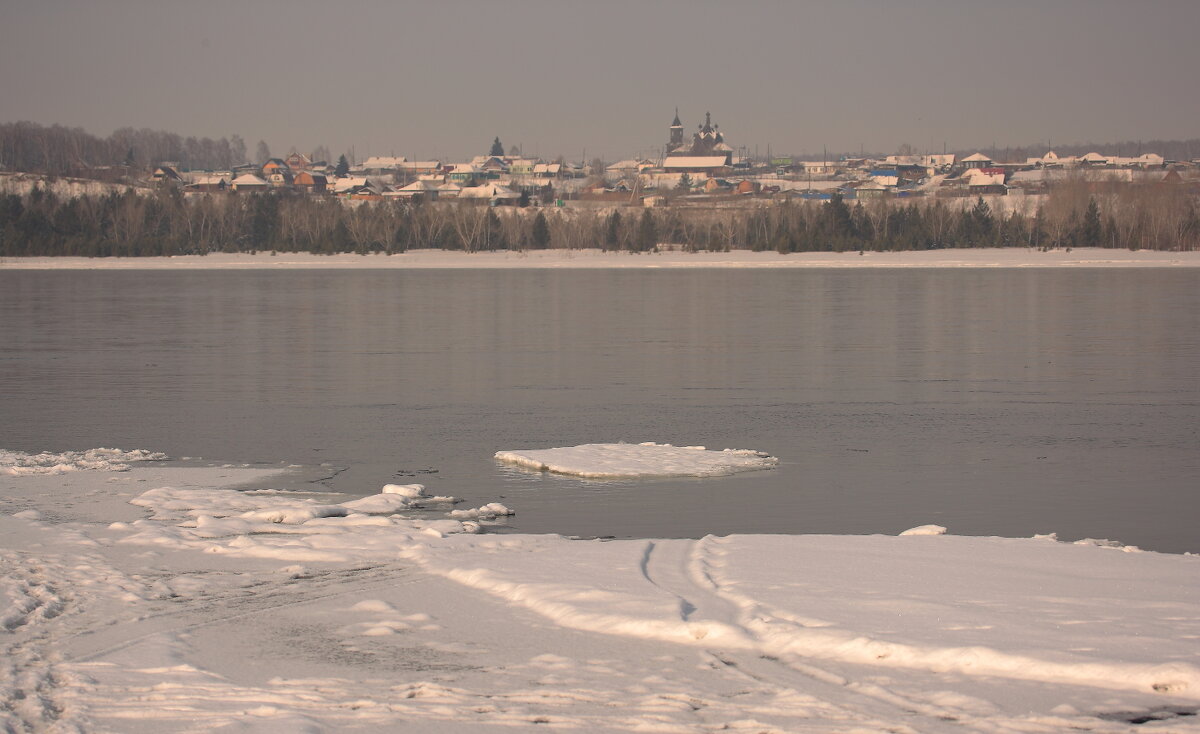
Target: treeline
(1145,217)
(165,223)
(72,151)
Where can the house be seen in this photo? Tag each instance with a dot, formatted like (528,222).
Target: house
(313,183)
(298,162)
(360,189)
(985,181)
(977,160)
(249,183)
(420,168)
(461,172)
(420,189)
(870,190)
(817,168)
(548,170)
(746,186)
(279,177)
(711,166)
(938,163)
(493,193)
(167,174)
(272,165)
(627,167)
(716,185)
(377,164)
(348,183)
(522,166)
(493,167)
(886,177)
(210,184)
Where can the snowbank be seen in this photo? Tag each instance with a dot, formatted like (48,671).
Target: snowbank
(638,461)
(274,611)
(18,464)
(582,259)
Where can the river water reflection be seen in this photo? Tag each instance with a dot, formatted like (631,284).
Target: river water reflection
(1007,402)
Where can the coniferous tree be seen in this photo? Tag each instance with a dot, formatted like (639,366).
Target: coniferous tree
(1090,230)
(497,147)
(342,168)
(838,224)
(612,231)
(541,232)
(979,225)
(647,232)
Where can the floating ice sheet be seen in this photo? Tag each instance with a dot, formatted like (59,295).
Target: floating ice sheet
(631,461)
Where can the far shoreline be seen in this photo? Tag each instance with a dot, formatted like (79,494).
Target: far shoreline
(555,259)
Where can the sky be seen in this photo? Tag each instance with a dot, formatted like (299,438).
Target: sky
(603,79)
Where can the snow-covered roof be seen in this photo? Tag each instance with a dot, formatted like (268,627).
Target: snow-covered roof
(694,161)
(349,182)
(488,191)
(420,164)
(249,179)
(977,177)
(422,185)
(628,164)
(383,161)
(976,158)
(212,180)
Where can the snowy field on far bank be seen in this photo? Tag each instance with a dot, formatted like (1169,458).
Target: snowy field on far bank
(140,597)
(670,259)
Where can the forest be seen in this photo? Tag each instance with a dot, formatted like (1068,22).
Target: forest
(129,224)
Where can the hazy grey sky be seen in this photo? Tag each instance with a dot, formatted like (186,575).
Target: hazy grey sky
(441,79)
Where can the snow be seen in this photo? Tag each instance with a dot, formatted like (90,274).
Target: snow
(16,463)
(633,461)
(203,608)
(926,530)
(587,259)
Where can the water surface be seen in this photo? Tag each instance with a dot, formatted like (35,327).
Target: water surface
(1007,402)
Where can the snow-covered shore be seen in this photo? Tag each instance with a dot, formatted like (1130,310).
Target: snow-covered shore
(146,597)
(582,259)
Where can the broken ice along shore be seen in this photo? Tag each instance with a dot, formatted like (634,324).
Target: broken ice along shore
(157,596)
(643,460)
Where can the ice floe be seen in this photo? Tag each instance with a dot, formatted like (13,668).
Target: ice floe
(643,460)
(15,463)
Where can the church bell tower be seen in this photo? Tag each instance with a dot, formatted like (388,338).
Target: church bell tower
(676,133)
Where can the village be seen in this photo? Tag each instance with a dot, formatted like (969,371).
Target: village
(701,171)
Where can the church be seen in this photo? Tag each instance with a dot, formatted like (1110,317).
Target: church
(708,152)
